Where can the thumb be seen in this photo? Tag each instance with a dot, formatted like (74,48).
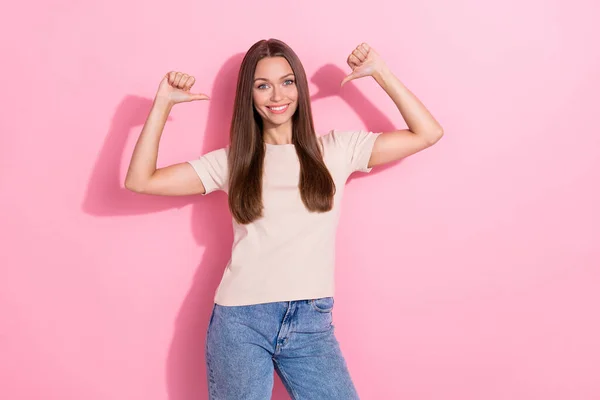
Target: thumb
(349,78)
(198,96)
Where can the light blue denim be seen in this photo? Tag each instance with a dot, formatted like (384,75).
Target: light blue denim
(245,344)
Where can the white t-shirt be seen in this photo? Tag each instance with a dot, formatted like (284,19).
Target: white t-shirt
(289,253)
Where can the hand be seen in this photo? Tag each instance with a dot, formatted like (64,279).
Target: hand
(175,88)
(364,61)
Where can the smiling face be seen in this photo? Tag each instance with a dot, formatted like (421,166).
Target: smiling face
(274,91)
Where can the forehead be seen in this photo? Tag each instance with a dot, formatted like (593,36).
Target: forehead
(272,68)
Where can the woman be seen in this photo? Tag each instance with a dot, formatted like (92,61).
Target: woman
(273,306)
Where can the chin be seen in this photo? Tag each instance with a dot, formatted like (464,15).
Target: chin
(279,121)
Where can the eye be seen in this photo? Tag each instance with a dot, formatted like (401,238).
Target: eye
(291,82)
(262,86)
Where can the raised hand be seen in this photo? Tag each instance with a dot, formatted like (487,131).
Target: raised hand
(175,88)
(364,61)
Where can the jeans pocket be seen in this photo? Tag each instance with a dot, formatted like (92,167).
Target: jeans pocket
(323,304)
(210,320)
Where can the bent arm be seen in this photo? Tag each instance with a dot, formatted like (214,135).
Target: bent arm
(423,129)
(143,176)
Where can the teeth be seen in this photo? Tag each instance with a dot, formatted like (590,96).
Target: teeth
(278,108)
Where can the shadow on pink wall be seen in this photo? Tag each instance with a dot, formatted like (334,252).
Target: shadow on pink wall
(211,221)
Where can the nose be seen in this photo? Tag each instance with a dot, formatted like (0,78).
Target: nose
(276,94)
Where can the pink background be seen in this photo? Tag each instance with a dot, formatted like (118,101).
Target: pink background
(468,271)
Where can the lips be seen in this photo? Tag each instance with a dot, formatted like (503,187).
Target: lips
(278,109)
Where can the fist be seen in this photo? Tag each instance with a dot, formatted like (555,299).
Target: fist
(364,61)
(175,88)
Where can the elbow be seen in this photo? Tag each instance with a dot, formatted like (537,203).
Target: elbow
(434,137)
(133,186)
(137,183)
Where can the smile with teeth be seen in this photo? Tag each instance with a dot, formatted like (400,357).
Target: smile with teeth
(278,109)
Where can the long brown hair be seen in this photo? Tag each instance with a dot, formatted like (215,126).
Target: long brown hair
(247,148)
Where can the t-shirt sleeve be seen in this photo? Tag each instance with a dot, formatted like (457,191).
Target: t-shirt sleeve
(356,148)
(212,170)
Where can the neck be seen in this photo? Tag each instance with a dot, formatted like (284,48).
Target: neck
(278,134)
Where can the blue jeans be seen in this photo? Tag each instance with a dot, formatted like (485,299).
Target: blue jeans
(245,344)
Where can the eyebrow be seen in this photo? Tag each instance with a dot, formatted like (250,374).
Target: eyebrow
(263,79)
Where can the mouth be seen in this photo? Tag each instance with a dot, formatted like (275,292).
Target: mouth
(278,109)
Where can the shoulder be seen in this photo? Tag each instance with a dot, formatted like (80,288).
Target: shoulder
(345,139)
(219,153)
(212,169)
(217,156)
(215,160)
(334,140)
(353,148)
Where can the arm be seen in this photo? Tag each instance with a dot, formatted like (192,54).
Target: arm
(142,175)
(423,130)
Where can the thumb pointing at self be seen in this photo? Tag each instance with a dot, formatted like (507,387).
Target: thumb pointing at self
(198,96)
(350,77)
(176,87)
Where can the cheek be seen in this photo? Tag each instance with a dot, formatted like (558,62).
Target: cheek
(293,93)
(294,97)
(258,98)
(255,99)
